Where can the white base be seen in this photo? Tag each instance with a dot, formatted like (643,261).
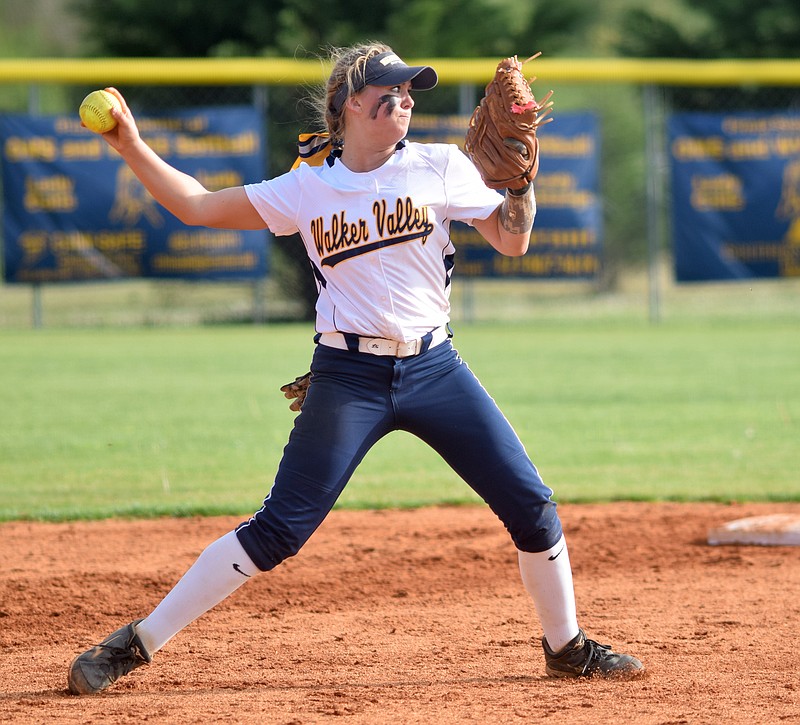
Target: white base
(768,530)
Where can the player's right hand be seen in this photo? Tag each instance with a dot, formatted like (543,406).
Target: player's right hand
(126,132)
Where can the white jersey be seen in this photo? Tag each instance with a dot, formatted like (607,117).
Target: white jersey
(379,241)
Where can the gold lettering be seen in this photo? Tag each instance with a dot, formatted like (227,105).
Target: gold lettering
(340,235)
(243,144)
(786,145)
(50,193)
(35,148)
(405,219)
(576,238)
(203,239)
(689,148)
(567,146)
(204,262)
(214,181)
(34,244)
(561,190)
(723,192)
(90,149)
(548,265)
(749,148)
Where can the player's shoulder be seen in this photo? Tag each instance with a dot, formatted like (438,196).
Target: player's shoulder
(304,170)
(442,158)
(436,151)
(296,177)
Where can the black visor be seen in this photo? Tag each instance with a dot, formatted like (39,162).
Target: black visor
(386,69)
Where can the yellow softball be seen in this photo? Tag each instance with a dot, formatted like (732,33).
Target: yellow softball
(95,111)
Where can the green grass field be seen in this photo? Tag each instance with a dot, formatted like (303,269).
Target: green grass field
(188,420)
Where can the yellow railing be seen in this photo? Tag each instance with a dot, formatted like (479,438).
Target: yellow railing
(287,71)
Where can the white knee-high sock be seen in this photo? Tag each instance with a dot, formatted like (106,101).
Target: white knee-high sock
(547,576)
(218,572)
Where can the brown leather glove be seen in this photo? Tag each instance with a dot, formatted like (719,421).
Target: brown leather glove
(501,138)
(296,391)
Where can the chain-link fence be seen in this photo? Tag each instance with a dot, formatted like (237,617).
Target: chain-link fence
(630,99)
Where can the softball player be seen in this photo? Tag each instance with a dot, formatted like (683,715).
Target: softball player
(374,217)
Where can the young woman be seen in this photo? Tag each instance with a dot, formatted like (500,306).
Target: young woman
(374,218)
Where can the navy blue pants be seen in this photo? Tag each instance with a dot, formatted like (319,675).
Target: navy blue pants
(354,400)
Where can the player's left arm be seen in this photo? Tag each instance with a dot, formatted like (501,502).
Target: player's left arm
(508,228)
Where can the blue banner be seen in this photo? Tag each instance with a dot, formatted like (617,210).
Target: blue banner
(73,211)
(735,195)
(566,242)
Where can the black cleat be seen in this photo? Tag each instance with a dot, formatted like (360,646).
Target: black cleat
(102,665)
(582,657)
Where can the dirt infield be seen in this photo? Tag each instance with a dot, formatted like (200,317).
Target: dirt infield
(409,617)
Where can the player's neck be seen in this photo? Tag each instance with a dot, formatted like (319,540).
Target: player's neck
(361,160)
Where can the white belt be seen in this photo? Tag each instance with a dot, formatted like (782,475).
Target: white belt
(381,346)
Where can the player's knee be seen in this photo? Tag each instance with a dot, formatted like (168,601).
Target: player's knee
(537,530)
(268,545)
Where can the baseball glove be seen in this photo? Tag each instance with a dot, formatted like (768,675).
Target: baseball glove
(501,138)
(296,391)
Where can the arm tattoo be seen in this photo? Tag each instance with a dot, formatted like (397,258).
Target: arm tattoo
(516,212)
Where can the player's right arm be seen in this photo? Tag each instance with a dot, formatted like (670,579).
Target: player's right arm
(181,194)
